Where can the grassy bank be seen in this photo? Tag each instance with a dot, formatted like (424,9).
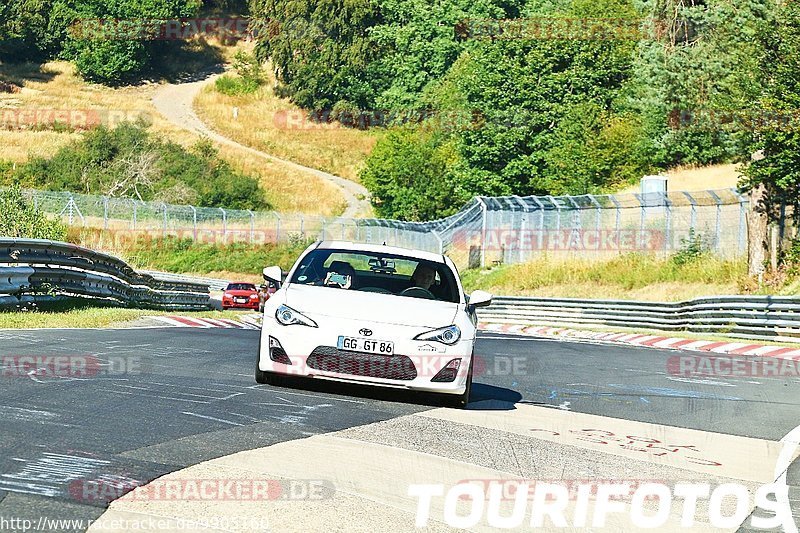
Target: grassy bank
(632,276)
(91,317)
(241,261)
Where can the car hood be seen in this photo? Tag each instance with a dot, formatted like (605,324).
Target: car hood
(370,307)
(240,293)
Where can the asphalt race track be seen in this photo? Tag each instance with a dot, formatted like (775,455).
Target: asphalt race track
(159,400)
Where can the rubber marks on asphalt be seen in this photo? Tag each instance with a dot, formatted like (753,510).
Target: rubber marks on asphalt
(652,341)
(246,322)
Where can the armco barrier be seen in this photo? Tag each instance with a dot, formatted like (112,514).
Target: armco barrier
(214,284)
(33,270)
(773,318)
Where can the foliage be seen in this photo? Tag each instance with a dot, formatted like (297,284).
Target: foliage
(693,247)
(250,72)
(555,115)
(127,161)
(22,220)
(409,175)
(779,170)
(44,29)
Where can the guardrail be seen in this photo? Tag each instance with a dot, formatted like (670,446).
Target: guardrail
(775,318)
(214,284)
(34,271)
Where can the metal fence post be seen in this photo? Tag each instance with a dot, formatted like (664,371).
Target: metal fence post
(441,242)
(742,220)
(105,212)
(557,206)
(642,216)
(135,213)
(522,220)
(617,213)
(484,210)
(718,222)
(164,228)
(667,222)
(224,225)
(252,226)
(540,236)
(277,227)
(693,219)
(194,222)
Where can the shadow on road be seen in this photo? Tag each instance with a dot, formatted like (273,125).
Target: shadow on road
(482,397)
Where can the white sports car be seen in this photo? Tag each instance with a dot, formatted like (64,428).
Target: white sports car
(371,314)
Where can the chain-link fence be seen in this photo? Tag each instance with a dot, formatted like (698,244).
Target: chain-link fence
(488,230)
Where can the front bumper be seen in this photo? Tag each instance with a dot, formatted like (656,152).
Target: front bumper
(414,365)
(250,304)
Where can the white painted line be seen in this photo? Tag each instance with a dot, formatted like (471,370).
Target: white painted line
(667,343)
(170,321)
(199,322)
(727,348)
(211,418)
(764,350)
(215,323)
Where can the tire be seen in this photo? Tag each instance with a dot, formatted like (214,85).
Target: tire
(269,378)
(461,401)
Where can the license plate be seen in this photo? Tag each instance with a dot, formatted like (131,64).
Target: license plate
(354,344)
(240,300)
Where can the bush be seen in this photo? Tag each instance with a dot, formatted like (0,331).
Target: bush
(409,176)
(250,76)
(693,247)
(22,220)
(128,162)
(233,86)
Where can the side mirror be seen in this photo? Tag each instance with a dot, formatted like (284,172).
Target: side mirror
(480,299)
(273,274)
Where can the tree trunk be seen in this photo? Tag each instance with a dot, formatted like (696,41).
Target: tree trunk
(757,234)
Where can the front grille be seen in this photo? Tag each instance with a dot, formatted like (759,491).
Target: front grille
(330,359)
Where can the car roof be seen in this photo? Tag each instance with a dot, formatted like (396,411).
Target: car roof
(381,248)
(241,283)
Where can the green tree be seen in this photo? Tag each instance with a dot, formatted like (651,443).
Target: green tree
(774,178)
(409,175)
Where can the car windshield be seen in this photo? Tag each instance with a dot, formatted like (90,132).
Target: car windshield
(241,287)
(375,272)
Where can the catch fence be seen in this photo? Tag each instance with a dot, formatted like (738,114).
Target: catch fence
(488,230)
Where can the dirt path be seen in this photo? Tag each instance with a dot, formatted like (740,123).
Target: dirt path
(175,103)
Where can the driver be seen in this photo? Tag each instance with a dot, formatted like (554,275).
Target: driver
(423,276)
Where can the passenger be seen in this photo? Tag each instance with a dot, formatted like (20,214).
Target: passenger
(340,274)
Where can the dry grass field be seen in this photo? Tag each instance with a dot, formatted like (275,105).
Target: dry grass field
(698,178)
(276,126)
(54,86)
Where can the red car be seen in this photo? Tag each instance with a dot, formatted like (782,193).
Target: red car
(240,295)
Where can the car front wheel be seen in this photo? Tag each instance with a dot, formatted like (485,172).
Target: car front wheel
(461,401)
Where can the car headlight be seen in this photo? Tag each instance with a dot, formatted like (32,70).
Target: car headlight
(287,316)
(228,295)
(448,335)
(254,296)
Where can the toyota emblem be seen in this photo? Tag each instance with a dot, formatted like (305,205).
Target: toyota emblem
(366,332)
